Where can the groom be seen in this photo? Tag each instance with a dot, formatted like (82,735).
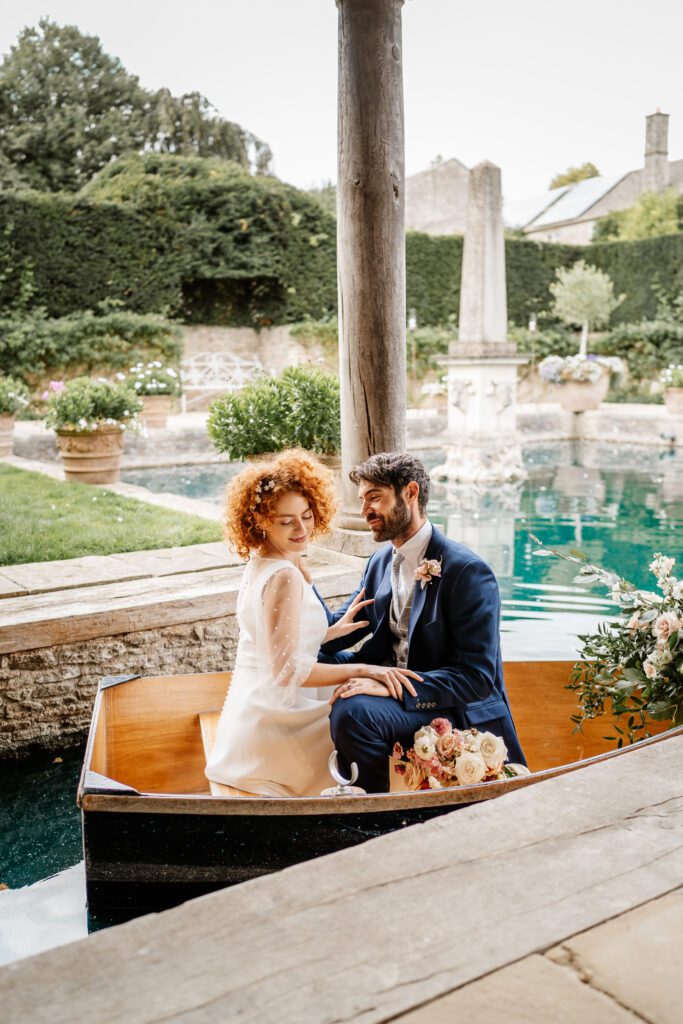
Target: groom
(435,610)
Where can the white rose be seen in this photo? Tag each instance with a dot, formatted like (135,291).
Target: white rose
(492,749)
(469,768)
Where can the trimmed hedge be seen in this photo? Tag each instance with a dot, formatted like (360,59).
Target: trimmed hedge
(205,239)
(79,253)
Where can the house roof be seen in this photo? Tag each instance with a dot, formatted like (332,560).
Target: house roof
(521,212)
(576,201)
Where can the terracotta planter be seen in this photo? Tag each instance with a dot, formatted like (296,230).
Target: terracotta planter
(579,396)
(6,434)
(673,398)
(155,410)
(92,458)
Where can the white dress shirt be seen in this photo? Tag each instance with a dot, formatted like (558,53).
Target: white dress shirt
(413,551)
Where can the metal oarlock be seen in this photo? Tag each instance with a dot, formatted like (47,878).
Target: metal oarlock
(344,787)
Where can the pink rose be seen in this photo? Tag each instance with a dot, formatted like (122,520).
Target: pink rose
(665,625)
(441,726)
(447,746)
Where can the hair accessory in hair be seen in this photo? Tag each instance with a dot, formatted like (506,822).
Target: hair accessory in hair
(267,484)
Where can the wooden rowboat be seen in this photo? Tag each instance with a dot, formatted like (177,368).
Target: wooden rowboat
(155,833)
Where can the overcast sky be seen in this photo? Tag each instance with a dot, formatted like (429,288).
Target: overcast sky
(529,84)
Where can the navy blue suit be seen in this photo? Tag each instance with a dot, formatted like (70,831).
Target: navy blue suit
(454,644)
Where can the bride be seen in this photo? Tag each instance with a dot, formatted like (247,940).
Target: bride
(273,736)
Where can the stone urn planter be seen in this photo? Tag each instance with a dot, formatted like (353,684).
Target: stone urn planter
(92,457)
(673,398)
(6,434)
(580,396)
(155,410)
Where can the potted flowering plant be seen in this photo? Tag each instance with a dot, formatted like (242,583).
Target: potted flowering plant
(157,385)
(13,397)
(672,379)
(89,417)
(582,380)
(632,667)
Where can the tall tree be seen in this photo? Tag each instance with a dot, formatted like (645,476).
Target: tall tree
(67,109)
(652,214)
(574,174)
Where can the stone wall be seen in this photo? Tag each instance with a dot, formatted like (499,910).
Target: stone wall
(273,346)
(47,694)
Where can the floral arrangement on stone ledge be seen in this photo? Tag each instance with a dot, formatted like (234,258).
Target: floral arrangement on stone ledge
(672,377)
(13,396)
(152,379)
(579,369)
(633,666)
(87,404)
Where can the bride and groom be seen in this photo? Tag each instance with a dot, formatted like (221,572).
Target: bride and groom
(428,606)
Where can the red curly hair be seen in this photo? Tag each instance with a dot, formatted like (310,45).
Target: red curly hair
(251,496)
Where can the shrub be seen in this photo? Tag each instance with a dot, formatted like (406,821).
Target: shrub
(34,346)
(13,396)
(87,404)
(646,348)
(298,409)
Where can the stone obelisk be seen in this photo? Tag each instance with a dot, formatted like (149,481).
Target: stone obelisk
(481,440)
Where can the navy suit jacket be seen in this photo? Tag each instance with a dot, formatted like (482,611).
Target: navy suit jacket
(453,638)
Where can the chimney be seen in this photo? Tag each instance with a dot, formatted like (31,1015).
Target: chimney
(656,170)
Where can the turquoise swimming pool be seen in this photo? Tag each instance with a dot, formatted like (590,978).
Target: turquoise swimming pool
(618,504)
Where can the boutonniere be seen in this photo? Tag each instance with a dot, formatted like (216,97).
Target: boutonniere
(427,570)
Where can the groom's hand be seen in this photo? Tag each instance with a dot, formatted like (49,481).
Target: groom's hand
(380,681)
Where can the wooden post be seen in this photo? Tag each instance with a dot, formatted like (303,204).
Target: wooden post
(370,236)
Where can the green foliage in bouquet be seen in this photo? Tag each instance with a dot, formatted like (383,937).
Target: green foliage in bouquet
(298,409)
(631,668)
(87,404)
(13,396)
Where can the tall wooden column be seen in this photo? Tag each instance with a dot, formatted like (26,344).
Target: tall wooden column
(370,235)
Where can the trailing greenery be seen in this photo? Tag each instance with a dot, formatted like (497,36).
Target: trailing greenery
(254,251)
(42,519)
(86,404)
(298,409)
(13,396)
(67,254)
(34,346)
(67,109)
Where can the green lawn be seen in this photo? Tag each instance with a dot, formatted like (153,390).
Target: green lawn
(42,519)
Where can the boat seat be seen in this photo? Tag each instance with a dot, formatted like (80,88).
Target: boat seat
(208,724)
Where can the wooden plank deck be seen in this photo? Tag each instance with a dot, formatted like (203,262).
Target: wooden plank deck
(381,929)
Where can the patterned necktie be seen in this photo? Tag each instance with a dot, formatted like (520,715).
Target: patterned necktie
(397,559)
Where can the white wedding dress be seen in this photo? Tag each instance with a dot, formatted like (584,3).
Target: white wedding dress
(273,737)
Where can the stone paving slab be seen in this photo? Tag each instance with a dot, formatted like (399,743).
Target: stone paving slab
(62,574)
(532,991)
(9,588)
(636,958)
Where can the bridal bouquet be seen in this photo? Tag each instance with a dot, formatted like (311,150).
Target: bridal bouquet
(443,756)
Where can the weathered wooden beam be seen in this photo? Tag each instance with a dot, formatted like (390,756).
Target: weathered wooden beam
(370,233)
(372,932)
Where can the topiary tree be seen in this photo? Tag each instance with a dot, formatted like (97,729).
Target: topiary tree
(298,409)
(584,296)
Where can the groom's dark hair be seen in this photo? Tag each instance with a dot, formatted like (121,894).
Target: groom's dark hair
(394,469)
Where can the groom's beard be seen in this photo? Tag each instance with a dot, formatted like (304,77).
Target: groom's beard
(394,526)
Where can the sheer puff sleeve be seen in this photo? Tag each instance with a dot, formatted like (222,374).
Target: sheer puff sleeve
(282,663)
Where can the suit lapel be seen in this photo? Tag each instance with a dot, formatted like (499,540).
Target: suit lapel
(434,549)
(383,593)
